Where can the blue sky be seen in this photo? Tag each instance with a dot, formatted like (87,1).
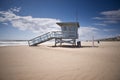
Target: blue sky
(26,19)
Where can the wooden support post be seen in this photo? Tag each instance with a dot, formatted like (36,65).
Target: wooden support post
(60,41)
(28,43)
(75,42)
(55,42)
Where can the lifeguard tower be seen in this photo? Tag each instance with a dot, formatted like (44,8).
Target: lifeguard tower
(68,34)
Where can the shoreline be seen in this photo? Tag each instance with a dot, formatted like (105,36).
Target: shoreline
(25,43)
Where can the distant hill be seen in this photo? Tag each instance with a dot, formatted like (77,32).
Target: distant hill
(117,38)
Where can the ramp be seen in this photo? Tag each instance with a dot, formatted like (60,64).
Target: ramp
(45,37)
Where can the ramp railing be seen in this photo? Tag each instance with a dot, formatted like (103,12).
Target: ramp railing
(45,37)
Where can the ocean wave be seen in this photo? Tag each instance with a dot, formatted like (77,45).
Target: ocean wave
(13,43)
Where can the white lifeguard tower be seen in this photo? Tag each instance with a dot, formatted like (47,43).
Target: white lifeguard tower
(68,34)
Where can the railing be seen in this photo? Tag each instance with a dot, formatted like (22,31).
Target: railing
(45,37)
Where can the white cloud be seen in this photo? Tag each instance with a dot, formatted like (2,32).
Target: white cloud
(98,18)
(40,25)
(109,17)
(15,9)
(109,30)
(5,23)
(86,33)
(110,22)
(113,13)
(100,24)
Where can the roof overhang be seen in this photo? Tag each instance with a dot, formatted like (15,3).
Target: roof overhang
(71,24)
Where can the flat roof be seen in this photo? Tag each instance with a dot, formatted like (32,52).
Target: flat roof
(71,24)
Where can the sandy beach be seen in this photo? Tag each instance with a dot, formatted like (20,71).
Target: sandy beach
(44,62)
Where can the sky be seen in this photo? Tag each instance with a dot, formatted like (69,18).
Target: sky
(26,19)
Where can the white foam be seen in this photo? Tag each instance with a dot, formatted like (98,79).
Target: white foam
(13,43)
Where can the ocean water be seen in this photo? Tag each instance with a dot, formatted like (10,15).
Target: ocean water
(13,43)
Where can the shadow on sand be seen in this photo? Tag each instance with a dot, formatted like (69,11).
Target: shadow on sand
(70,46)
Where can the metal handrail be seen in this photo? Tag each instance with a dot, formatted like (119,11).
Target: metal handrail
(38,36)
(45,37)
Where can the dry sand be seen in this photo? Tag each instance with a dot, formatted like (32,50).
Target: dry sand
(56,63)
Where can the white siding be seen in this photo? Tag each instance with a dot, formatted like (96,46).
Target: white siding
(69,32)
